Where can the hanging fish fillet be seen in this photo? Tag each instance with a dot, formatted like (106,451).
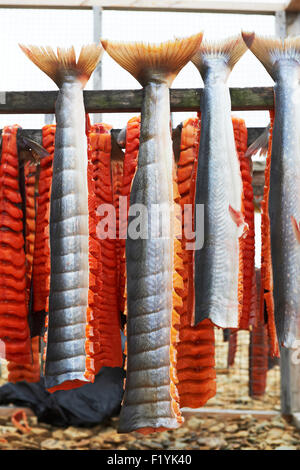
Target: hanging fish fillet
(106,307)
(28,372)
(117,180)
(247,284)
(219,189)
(14,329)
(151,399)
(132,142)
(30,171)
(266,312)
(258,352)
(281,58)
(70,346)
(196,347)
(41,259)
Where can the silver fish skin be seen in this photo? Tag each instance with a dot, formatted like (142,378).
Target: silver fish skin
(149,264)
(150,401)
(282,61)
(284,201)
(218,186)
(69,240)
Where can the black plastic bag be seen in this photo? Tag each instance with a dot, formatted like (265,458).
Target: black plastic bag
(88,405)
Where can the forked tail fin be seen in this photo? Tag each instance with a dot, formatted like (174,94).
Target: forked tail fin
(230,50)
(57,66)
(150,61)
(268,50)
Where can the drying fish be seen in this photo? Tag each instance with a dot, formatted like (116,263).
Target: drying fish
(132,142)
(196,347)
(106,321)
(70,346)
(219,189)
(151,399)
(281,58)
(14,329)
(266,311)
(258,351)
(247,284)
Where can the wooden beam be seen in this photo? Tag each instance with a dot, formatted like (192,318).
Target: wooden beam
(232,6)
(226,413)
(123,101)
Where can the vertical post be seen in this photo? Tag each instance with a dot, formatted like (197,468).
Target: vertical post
(97,75)
(288,24)
(280,24)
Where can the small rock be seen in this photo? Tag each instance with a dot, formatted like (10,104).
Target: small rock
(194,423)
(40,432)
(152,444)
(274,434)
(232,428)
(58,435)
(73,433)
(52,444)
(212,442)
(178,445)
(217,428)
(285,448)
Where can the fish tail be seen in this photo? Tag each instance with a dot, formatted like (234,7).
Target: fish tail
(268,50)
(58,65)
(146,61)
(195,350)
(260,144)
(230,49)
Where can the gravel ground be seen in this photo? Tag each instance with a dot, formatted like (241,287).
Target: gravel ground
(211,432)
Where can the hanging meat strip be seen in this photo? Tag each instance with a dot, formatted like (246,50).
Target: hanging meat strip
(129,168)
(266,297)
(106,309)
(117,181)
(247,243)
(258,353)
(30,372)
(41,260)
(14,329)
(196,348)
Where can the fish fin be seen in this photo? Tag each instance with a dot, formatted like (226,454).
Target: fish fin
(239,220)
(230,49)
(296,228)
(260,144)
(269,49)
(147,61)
(58,65)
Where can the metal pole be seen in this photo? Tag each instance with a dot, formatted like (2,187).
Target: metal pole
(97,75)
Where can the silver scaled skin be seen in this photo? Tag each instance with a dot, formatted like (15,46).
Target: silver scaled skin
(69,240)
(284,200)
(218,186)
(147,401)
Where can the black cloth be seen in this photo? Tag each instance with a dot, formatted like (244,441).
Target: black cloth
(88,405)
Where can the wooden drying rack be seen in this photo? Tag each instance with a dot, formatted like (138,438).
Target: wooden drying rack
(129,101)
